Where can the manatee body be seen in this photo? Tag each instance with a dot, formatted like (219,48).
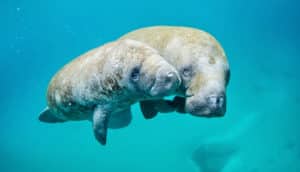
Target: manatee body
(101,84)
(201,63)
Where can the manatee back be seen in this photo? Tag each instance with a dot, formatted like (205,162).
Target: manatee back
(159,37)
(96,77)
(73,89)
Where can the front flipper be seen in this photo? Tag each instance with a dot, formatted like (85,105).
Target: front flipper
(120,119)
(148,108)
(100,122)
(178,103)
(49,117)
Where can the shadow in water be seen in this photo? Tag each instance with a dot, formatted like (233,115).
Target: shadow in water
(213,157)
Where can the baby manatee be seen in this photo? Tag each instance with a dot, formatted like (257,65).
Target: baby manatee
(103,83)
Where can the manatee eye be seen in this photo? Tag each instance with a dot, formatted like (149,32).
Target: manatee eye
(227,76)
(187,71)
(135,74)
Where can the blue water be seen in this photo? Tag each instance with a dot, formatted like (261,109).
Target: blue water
(261,129)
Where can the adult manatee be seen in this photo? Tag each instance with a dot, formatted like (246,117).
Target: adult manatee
(201,63)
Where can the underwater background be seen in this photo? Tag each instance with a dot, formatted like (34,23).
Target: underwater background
(259,133)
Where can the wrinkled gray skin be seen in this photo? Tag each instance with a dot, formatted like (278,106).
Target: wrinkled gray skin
(201,63)
(103,83)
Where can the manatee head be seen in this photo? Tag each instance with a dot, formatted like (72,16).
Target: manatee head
(206,82)
(204,71)
(207,90)
(149,74)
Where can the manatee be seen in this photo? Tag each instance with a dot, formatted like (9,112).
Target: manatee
(201,63)
(103,83)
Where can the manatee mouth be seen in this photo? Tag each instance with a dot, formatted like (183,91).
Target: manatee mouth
(213,106)
(147,91)
(205,111)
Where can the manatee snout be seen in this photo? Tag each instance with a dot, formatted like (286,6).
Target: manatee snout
(217,104)
(167,81)
(208,90)
(211,105)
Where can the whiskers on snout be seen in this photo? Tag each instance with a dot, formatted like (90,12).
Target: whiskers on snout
(212,106)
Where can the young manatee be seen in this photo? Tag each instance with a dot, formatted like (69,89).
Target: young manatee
(101,84)
(201,63)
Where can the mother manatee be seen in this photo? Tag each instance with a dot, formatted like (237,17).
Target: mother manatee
(201,63)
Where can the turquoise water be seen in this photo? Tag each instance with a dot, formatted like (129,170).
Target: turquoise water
(260,132)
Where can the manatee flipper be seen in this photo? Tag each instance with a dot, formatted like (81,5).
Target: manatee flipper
(148,108)
(120,119)
(49,117)
(178,103)
(165,106)
(100,122)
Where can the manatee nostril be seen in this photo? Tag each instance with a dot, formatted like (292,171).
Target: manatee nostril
(212,99)
(170,77)
(216,100)
(221,100)
(170,74)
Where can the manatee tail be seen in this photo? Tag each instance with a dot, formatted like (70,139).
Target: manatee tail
(49,117)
